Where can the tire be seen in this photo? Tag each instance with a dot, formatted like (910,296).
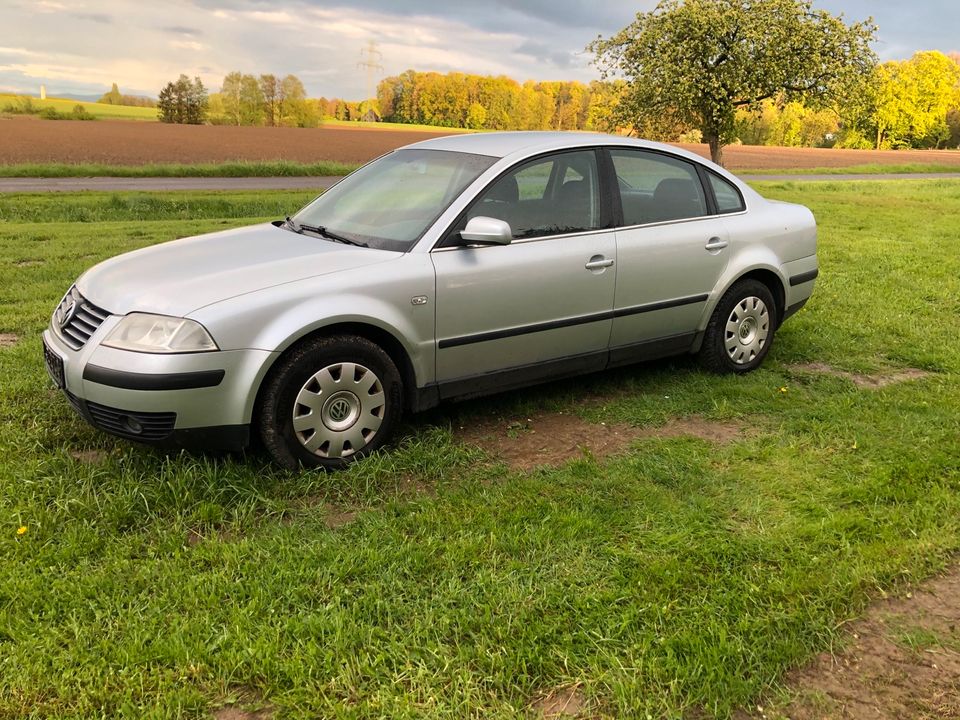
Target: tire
(329,402)
(741,329)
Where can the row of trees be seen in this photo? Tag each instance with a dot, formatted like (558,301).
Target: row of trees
(495,103)
(264,100)
(910,103)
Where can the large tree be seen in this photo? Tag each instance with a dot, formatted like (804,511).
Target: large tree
(695,62)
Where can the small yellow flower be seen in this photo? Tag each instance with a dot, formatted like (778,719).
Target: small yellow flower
(22,530)
(783,391)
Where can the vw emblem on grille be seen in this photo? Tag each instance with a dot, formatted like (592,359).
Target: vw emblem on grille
(339,410)
(67,310)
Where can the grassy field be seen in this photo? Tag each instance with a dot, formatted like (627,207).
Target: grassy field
(98,110)
(679,579)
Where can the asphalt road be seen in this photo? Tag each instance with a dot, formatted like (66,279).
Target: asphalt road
(117,184)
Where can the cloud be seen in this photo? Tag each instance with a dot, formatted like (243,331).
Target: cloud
(102,18)
(187,45)
(540,50)
(182,30)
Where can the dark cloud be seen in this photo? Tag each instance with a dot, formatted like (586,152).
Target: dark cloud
(542,51)
(182,30)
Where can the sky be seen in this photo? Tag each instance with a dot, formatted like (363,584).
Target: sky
(82,47)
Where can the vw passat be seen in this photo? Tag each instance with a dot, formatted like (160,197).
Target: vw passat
(449,268)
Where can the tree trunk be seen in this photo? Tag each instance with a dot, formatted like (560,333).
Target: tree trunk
(716,148)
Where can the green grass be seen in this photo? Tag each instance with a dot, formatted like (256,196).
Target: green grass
(680,577)
(868,169)
(275,168)
(98,110)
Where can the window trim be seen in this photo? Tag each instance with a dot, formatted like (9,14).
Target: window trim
(605,209)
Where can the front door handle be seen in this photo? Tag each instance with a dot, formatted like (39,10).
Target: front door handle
(716,243)
(599,262)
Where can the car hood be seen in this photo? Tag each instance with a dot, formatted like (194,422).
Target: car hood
(179,277)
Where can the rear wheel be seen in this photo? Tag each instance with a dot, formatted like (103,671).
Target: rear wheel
(740,332)
(329,402)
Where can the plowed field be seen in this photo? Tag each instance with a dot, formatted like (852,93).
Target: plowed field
(28,140)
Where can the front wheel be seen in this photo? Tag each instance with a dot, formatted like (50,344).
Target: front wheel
(740,331)
(329,402)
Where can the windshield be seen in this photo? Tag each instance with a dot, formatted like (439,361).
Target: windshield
(391,202)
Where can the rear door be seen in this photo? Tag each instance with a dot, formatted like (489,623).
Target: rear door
(670,254)
(541,305)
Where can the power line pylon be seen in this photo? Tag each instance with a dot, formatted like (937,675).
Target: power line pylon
(369,59)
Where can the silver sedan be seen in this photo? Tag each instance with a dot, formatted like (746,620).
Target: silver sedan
(450,268)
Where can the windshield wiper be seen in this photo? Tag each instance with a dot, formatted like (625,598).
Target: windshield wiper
(323,232)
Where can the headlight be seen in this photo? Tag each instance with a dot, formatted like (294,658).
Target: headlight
(145,333)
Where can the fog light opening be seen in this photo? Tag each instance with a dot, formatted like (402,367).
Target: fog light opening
(131,425)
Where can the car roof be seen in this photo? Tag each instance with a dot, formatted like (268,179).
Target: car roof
(503,144)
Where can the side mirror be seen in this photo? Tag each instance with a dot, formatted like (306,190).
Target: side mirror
(486,231)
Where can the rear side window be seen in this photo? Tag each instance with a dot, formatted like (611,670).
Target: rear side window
(729,199)
(552,195)
(657,188)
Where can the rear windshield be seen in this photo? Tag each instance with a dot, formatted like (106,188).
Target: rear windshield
(390,203)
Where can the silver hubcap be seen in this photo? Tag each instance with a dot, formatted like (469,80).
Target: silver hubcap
(747,330)
(339,410)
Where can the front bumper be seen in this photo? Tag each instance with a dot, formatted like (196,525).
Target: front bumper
(196,400)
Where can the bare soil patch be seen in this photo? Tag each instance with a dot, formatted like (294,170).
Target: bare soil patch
(89,457)
(552,439)
(873,382)
(560,703)
(335,518)
(27,263)
(879,675)
(8,340)
(131,142)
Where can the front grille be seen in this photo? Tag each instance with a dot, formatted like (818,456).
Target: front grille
(76,319)
(133,425)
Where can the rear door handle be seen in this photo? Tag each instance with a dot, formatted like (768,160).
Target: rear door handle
(716,243)
(598,263)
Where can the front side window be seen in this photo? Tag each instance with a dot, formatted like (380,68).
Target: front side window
(552,195)
(656,188)
(391,202)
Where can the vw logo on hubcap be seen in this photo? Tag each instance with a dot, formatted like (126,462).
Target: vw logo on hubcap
(339,410)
